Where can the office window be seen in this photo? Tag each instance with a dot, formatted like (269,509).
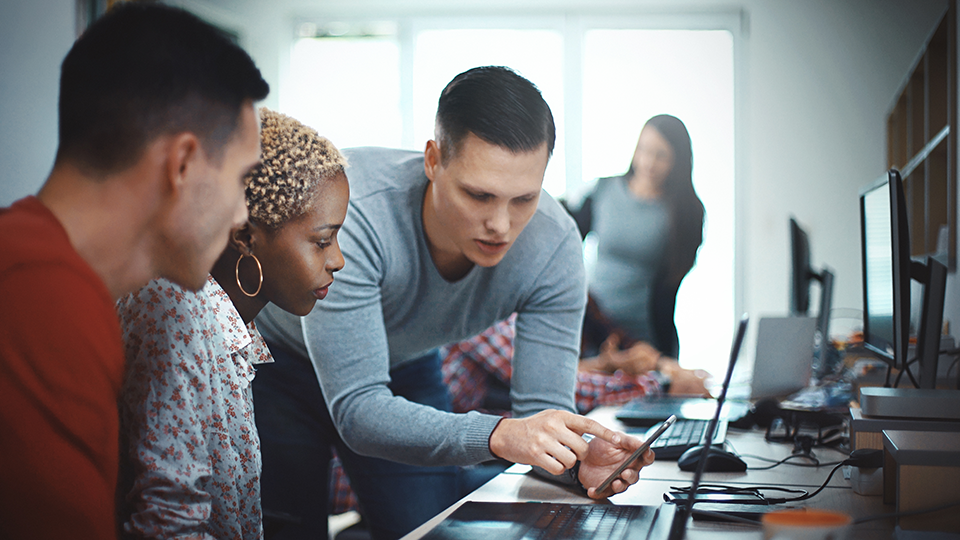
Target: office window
(349,106)
(536,54)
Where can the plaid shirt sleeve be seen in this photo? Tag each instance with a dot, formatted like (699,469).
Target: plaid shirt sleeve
(595,389)
(468,363)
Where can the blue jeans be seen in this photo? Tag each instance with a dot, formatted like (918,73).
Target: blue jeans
(296,438)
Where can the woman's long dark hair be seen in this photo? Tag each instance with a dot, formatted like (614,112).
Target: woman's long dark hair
(684,206)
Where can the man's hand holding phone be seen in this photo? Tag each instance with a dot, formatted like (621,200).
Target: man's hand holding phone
(611,469)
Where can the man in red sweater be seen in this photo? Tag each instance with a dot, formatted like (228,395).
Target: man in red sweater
(157,129)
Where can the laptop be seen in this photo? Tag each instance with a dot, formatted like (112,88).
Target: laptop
(784,359)
(782,365)
(651,410)
(523,520)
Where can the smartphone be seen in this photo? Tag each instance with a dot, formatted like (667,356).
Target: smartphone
(646,444)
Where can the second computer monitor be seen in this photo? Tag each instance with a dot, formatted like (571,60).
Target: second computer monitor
(802,274)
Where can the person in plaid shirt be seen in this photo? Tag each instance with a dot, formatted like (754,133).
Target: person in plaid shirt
(477,371)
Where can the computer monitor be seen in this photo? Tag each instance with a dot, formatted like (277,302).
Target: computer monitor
(801,276)
(887,271)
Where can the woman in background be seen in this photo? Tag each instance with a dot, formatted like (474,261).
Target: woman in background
(192,461)
(649,225)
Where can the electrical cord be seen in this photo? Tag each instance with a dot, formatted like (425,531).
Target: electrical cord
(785,461)
(723,489)
(952,365)
(707,489)
(906,369)
(806,453)
(867,458)
(816,491)
(755,490)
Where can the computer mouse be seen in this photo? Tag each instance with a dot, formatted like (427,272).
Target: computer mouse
(718,460)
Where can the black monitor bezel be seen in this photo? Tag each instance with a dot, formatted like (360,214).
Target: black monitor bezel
(882,347)
(800,272)
(900,272)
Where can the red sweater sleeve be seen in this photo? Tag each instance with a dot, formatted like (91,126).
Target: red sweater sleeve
(61,364)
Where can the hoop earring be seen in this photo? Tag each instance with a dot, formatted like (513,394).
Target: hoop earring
(259,269)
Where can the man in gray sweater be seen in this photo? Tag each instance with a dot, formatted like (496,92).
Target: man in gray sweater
(438,245)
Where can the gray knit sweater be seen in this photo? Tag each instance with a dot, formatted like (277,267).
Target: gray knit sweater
(390,305)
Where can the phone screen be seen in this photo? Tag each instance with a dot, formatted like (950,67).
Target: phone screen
(639,452)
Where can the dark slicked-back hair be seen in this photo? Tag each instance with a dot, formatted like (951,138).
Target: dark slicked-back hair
(497,105)
(147,70)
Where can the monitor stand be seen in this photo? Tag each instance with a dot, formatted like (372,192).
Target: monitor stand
(910,403)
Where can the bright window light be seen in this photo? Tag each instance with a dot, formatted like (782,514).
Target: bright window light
(536,54)
(349,106)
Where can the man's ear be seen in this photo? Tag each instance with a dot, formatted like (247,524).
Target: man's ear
(183,152)
(431,159)
(242,238)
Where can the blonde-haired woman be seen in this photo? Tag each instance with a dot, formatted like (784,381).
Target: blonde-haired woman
(192,462)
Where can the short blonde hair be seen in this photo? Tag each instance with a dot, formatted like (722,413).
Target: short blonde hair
(294,161)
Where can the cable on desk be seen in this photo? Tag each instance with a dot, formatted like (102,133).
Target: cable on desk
(807,454)
(776,463)
(818,490)
(855,461)
(906,513)
(713,489)
(866,457)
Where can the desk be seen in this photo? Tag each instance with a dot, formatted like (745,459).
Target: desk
(517,484)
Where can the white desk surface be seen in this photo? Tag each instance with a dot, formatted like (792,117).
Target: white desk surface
(518,485)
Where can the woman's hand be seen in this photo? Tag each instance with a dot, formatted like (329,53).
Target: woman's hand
(637,360)
(685,381)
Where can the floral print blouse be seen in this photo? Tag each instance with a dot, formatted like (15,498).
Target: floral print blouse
(190,453)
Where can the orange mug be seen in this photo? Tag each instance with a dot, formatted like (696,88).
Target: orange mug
(805,524)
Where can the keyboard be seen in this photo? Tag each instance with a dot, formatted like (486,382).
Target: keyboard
(541,520)
(583,521)
(684,434)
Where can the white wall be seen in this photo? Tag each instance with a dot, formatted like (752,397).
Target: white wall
(823,75)
(35,35)
(817,80)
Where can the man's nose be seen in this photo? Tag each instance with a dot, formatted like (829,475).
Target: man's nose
(499,221)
